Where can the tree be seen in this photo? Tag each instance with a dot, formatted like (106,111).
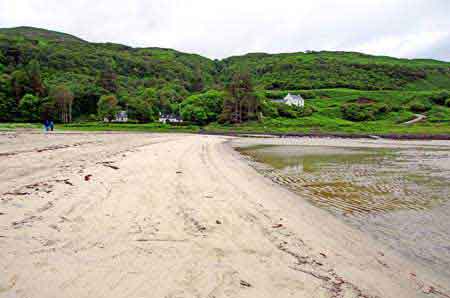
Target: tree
(107,107)
(6,84)
(241,103)
(108,79)
(164,97)
(8,104)
(48,109)
(197,81)
(35,78)
(160,100)
(87,94)
(2,58)
(7,107)
(202,108)
(29,107)
(20,84)
(63,100)
(141,109)
(195,114)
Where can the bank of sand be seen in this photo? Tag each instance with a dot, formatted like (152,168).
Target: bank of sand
(154,215)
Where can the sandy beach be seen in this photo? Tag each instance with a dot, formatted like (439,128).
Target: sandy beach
(174,215)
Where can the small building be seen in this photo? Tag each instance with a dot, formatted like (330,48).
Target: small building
(121,116)
(292,100)
(169,118)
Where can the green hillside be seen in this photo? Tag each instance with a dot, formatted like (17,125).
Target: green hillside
(67,60)
(344,91)
(319,70)
(37,33)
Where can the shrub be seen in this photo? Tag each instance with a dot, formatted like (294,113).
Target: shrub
(447,102)
(396,108)
(356,112)
(309,94)
(287,111)
(269,109)
(419,106)
(307,111)
(440,98)
(383,108)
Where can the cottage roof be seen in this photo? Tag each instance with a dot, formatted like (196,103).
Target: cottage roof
(294,97)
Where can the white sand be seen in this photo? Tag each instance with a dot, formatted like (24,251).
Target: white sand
(182,216)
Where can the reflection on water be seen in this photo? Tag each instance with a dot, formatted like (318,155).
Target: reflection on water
(400,196)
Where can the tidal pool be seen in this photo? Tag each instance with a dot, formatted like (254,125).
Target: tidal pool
(398,196)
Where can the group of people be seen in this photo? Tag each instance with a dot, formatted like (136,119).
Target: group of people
(48,125)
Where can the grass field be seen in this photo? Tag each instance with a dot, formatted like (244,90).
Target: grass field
(312,124)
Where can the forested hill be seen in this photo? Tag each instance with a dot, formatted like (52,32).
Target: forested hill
(318,70)
(35,60)
(93,69)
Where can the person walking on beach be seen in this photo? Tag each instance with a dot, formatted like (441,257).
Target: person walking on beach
(46,125)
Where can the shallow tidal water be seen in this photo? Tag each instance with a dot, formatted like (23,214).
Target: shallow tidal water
(401,197)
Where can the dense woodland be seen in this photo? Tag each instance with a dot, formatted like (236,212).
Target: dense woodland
(46,74)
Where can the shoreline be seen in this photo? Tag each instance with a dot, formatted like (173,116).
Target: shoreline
(171,215)
(231,133)
(334,135)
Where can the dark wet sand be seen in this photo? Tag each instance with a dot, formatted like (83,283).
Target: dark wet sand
(400,196)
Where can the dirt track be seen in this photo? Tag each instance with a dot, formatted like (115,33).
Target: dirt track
(153,215)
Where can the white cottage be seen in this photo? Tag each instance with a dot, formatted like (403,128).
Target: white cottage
(169,118)
(292,100)
(121,116)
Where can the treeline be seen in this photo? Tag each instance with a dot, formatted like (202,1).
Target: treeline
(25,96)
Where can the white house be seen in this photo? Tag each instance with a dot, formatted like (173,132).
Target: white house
(169,118)
(292,100)
(121,116)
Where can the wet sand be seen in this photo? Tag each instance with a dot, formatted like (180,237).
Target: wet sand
(166,215)
(400,196)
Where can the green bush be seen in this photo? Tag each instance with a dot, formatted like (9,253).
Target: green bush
(447,102)
(356,112)
(396,108)
(287,111)
(420,106)
(29,107)
(367,111)
(440,98)
(306,111)
(202,108)
(195,114)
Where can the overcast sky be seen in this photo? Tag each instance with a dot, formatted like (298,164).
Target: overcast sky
(222,28)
